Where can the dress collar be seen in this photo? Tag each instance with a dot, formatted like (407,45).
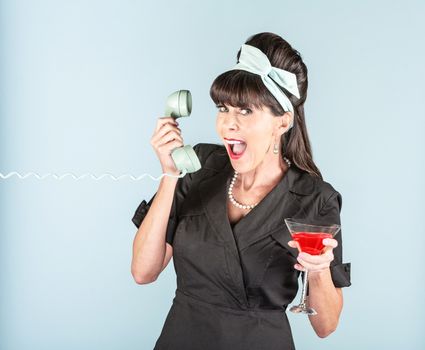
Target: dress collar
(264,219)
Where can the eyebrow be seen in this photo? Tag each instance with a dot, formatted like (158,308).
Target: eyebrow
(225,105)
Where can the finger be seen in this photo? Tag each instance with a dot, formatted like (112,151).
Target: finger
(294,244)
(330,242)
(315,259)
(329,254)
(164,120)
(299,267)
(163,131)
(313,267)
(159,144)
(167,139)
(165,128)
(171,136)
(168,147)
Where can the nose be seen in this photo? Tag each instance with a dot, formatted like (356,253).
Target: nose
(231,121)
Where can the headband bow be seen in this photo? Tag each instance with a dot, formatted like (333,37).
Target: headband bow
(255,61)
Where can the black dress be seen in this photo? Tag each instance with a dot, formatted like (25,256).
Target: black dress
(233,285)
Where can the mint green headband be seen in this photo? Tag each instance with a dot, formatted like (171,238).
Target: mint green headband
(255,61)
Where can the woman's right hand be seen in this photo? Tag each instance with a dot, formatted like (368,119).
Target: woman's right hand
(165,138)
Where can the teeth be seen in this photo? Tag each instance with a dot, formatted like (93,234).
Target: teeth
(231,142)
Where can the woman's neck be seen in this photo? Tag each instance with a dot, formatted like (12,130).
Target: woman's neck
(262,176)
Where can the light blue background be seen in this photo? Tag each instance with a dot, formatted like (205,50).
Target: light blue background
(82,84)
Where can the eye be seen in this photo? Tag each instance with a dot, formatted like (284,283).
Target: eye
(222,108)
(246,111)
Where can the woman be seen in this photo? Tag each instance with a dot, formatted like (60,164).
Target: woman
(236,265)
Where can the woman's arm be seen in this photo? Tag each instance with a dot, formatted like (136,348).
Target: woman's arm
(149,245)
(326,300)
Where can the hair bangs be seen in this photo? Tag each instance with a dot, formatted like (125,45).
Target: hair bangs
(239,88)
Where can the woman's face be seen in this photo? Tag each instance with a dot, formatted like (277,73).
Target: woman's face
(249,135)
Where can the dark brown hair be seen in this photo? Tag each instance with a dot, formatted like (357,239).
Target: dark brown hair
(239,88)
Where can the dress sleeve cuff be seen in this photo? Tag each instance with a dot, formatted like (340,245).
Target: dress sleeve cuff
(341,275)
(140,213)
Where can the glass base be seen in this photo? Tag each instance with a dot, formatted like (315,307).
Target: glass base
(303,309)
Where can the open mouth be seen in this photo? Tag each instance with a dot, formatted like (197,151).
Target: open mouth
(236,148)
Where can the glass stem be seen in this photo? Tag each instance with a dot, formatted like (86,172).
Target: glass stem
(304,291)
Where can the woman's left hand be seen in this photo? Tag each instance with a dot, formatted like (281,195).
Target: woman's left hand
(315,263)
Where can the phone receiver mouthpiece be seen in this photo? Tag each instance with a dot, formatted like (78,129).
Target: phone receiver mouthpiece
(185,158)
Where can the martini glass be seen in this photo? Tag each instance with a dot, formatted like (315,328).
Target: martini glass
(310,240)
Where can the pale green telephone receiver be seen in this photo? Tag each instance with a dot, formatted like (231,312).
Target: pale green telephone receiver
(179,104)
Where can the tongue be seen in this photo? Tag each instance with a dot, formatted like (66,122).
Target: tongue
(239,148)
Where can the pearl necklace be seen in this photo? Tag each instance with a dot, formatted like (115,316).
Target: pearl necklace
(233,200)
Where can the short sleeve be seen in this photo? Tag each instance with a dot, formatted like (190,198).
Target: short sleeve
(143,208)
(182,187)
(179,195)
(330,213)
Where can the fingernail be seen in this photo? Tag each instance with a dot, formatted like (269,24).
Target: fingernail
(299,267)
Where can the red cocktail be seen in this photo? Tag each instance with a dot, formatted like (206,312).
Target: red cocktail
(311,242)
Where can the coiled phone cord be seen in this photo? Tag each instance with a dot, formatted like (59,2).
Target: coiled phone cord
(94,177)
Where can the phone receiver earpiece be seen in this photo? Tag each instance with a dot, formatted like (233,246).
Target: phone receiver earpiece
(179,104)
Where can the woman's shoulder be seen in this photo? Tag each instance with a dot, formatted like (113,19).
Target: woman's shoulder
(324,187)
(324,193)
(307,184)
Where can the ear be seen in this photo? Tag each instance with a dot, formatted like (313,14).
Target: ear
(282,123)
